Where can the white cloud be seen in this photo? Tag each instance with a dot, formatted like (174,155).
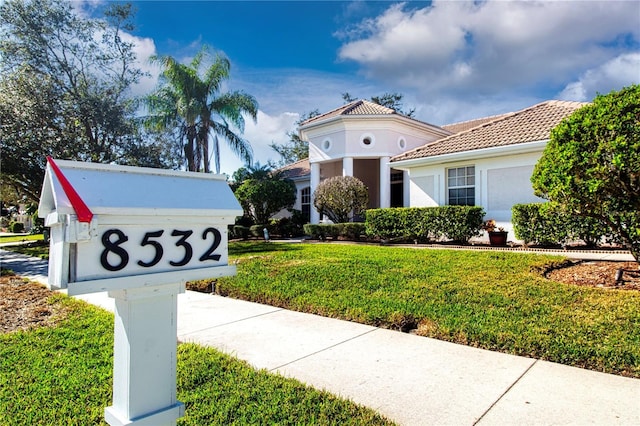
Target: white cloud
(144,48)
(621,71)
(268,129)
(492,46)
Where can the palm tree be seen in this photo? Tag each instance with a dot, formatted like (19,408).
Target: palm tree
(194,106)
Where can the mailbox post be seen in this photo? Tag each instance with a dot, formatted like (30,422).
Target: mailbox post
(140,234)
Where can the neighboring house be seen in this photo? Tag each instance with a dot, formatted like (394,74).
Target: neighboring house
(405,162)
(299,172)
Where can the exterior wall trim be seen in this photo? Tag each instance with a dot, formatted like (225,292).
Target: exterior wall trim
(521,148)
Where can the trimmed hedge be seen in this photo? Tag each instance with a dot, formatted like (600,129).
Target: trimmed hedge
(239,231)
(549,224)
(350,230)
(457,223)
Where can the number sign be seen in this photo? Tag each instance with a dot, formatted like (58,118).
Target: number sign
(123,250)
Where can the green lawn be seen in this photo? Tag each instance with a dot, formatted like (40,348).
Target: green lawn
(62,375)
(19,238)
(37,247)
(493,300)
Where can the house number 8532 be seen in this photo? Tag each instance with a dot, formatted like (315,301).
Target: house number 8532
(113,239)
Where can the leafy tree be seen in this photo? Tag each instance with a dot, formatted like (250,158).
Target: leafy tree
(262,196)
(191,104)
(347,98)
(393,101)
(64,90)
(591,165)
(341,197)
(256,171)
(296,149)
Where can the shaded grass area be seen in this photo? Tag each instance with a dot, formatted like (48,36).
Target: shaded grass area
(37,248)
(493,300)
(63,375)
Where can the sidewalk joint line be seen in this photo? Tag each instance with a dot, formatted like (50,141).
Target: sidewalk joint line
(323,349)
(505,392)
(233,322)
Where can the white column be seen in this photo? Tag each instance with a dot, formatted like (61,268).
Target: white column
(347,166)
(144,356)
(406,189)
(385,183)
(315,181)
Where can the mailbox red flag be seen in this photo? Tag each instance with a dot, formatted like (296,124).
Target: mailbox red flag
(83,212)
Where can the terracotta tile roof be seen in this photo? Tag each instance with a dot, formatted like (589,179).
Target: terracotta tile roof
(295,170)
(470,124)
(360,107)
(527,125)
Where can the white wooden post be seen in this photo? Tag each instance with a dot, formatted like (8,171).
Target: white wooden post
(144,358)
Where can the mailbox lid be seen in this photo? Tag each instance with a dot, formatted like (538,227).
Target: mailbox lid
(124,190)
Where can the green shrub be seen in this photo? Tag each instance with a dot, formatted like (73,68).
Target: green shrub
(286,226)
(549,224)
(341,198)
(458,223)
(352,230)
(388,223)
(349,230)
(313,231)
(240,231)
(16,227)
(258,230)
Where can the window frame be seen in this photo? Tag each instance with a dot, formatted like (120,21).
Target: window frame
(462,182)
(305,207)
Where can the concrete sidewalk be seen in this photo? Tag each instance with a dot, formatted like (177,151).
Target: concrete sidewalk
(412,380)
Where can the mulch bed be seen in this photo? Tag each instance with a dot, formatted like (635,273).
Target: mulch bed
(24,305)
(598,274)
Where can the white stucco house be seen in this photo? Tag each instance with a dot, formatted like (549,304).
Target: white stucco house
(409,163)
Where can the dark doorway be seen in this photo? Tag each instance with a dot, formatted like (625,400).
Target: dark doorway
(397,188)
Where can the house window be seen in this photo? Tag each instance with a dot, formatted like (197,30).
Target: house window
(367,140)
(305,202)
(461,186)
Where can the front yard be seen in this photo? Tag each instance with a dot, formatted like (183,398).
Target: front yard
(493,300)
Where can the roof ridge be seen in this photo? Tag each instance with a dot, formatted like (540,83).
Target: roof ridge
(377,105)
(566,103)
(296,162)
(496,119)
(308,120)
(476,119)
(351,106)
(500,117)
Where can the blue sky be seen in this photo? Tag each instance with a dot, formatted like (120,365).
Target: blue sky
(452,60)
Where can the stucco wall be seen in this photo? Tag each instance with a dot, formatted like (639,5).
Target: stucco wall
(501,182)
(343,139)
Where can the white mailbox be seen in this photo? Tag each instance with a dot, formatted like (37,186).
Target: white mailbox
(139,234)
(116,227)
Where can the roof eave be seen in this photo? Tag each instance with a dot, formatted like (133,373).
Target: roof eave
(519,148)
(407,120)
